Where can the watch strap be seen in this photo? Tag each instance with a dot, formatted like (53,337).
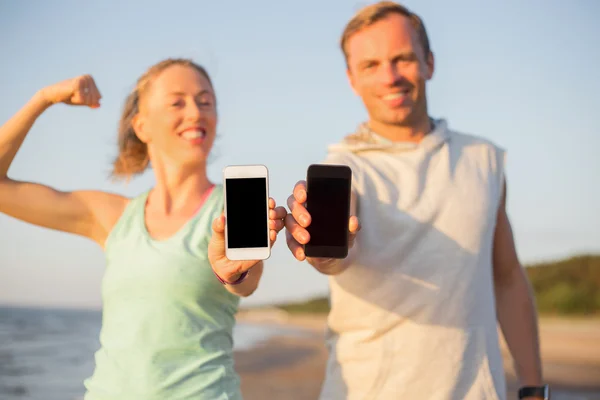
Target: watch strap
(535,391)
(237,282)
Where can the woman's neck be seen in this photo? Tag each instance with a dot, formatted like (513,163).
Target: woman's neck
(178,189)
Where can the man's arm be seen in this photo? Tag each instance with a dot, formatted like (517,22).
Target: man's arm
(515,303)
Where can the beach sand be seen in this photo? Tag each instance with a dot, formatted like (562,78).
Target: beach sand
(292,367)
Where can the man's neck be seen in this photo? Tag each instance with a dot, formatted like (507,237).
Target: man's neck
(403,133)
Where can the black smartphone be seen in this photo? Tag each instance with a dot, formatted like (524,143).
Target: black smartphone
(328,189)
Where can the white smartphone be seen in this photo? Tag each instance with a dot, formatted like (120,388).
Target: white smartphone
(246,189)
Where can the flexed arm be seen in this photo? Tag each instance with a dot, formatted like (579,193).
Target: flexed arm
(87,213)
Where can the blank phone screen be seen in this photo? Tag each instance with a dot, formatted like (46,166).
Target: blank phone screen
(328,205)
(247,212)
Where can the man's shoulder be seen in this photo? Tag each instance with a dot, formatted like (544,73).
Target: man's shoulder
(468,139)
(354,146)
(477,148)
(346,157)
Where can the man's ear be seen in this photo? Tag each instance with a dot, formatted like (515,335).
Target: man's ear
(430,65)
(351,80)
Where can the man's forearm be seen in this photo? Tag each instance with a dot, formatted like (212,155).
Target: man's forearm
(517,316)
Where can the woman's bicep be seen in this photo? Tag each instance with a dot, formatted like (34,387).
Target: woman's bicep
(85,213)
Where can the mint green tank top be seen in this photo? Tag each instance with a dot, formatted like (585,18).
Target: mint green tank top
(167,322)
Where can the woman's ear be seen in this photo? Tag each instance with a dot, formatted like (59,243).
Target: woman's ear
(137,123)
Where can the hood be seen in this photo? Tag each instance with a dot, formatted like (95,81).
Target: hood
(365,139)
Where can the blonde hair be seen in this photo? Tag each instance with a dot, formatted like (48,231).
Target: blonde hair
(133,158)
(373,13)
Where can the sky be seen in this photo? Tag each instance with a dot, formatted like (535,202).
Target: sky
(522,74)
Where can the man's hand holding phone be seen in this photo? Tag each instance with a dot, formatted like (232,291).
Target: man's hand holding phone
(320,227)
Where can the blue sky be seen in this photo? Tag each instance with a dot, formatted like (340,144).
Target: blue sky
(523,74)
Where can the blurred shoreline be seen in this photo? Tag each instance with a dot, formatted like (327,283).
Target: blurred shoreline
(293,367)
(279,354)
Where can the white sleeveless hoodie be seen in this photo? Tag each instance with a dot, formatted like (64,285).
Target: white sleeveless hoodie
(414,316)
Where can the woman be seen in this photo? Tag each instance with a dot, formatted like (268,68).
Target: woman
(167,319)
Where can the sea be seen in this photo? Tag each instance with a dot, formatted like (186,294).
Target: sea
(46,354)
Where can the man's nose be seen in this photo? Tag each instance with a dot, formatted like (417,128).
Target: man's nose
(390,74)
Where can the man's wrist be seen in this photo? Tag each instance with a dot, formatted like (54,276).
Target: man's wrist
(327,266)
(531,382)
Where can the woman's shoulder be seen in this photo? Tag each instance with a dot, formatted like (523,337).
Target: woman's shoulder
(121,212)
(214,203)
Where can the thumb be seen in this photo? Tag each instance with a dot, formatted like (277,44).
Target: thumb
(354,228)
(217,241)
(354,225)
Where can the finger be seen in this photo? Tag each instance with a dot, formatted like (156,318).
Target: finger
(216,247)
(300,192)
(298,211)
(273,237)
(295,247)
(96,96)
(78,95)
(298,232)
(218,225)
(354,225)
(271,203)
(278,213)
(86,89)
(93,92)
(276,224)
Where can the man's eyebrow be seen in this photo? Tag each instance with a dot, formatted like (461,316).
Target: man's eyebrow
(403,55)
(366,61)
(410,54)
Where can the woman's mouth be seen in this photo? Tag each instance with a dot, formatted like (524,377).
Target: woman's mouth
(194,135)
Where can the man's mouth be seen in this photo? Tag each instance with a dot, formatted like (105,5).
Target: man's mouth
(396,95)
(397,98)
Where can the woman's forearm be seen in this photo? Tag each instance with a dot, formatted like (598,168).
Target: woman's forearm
(14,131)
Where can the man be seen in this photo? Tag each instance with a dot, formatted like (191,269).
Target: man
(415,305)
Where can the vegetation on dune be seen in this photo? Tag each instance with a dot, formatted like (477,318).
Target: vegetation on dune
(567,287)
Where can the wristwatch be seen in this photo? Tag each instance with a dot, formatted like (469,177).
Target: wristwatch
(535,391)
